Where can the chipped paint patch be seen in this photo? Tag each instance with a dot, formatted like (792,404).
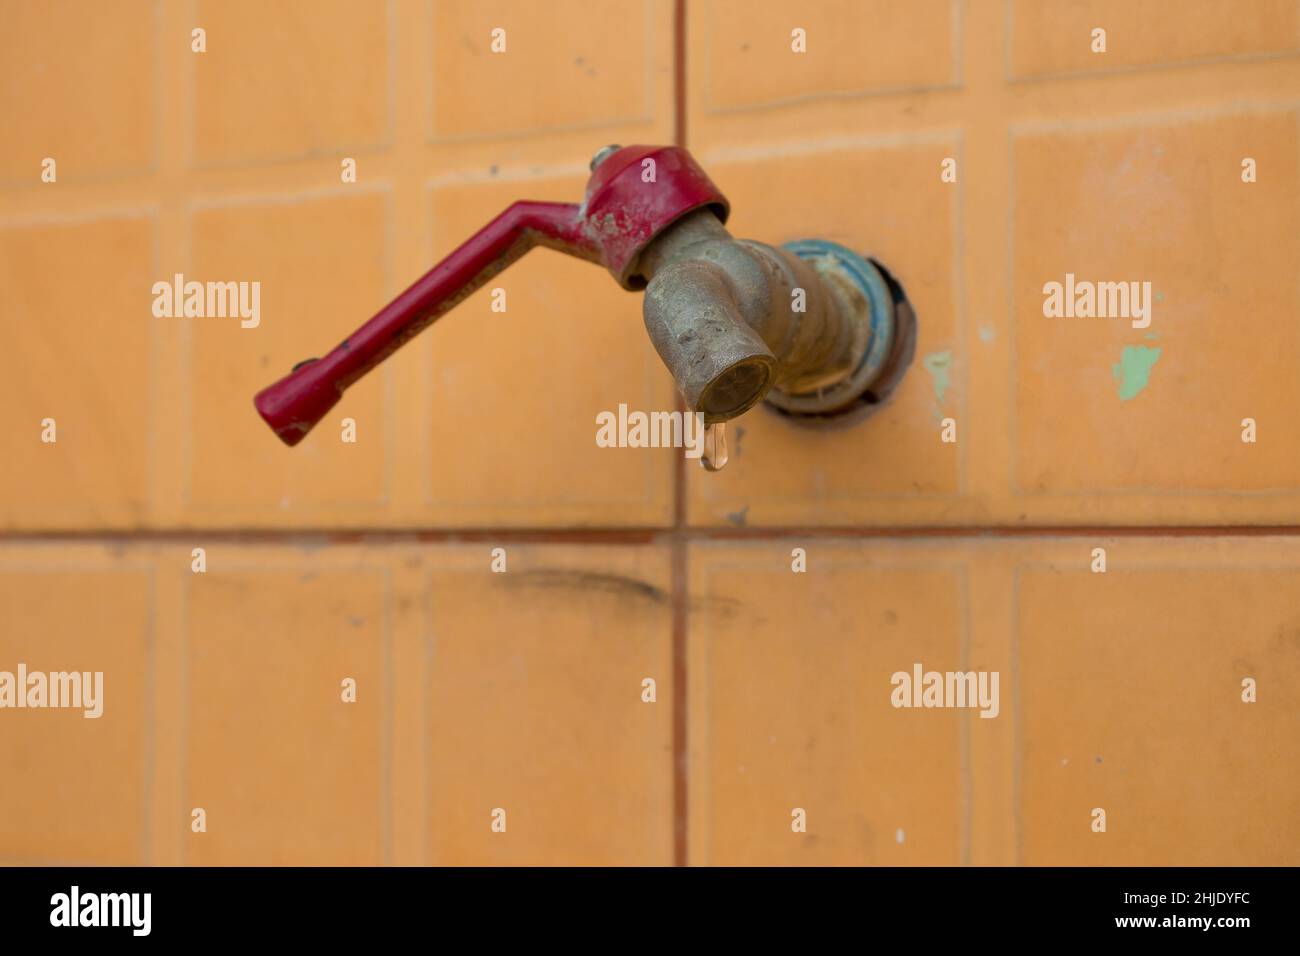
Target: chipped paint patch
(1133,370)
(939,365)
(988,333)
(738,518)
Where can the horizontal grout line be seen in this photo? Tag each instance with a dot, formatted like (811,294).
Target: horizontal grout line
(1005,531)
(316,536)
(627,536)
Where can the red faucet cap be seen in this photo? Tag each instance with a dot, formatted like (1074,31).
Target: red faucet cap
(638,192)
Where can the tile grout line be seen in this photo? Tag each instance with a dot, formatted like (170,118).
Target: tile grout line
(679,535)
(291,537)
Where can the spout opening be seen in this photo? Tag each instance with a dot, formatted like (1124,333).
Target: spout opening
(736,389)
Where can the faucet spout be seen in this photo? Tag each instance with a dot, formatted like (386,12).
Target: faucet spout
(722,366)
(734,319)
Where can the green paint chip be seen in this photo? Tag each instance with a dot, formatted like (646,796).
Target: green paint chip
(939,365)
(1133,370)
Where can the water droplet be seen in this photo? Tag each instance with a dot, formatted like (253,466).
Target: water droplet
(715,447)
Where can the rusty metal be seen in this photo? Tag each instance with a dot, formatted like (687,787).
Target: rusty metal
(734,320)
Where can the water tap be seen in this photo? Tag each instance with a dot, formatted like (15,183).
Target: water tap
(812,327)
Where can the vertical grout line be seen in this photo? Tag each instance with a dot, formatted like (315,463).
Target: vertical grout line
(966,771)
(183,718)
(1018,839)
(681,755)
(387,721)
(426,707)
(147,847)
(679,73)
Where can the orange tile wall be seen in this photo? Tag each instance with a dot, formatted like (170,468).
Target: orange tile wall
(524,690)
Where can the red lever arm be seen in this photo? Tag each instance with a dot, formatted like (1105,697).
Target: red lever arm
(299,400)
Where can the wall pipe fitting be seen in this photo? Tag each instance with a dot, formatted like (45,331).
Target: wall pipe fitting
(809,327)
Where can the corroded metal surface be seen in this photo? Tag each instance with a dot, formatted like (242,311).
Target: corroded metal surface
(736,321)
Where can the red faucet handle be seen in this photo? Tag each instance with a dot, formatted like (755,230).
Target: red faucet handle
(293,405)
(634,193)
(637,192)
(298,401)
